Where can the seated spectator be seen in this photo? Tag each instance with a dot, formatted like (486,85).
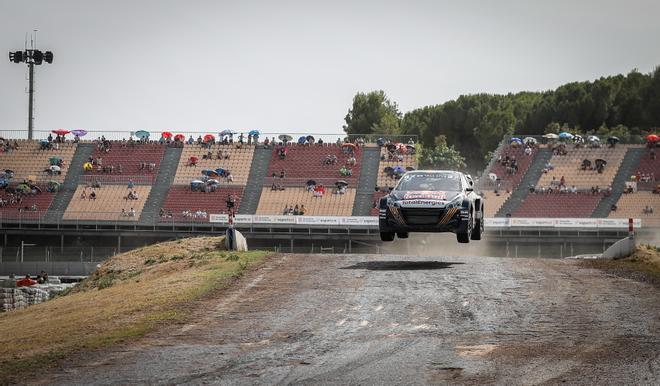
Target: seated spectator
(574,189)
(92,196)
(83,194)
(286,210)
(302,210)
(296,211)
(123,213)
(131,213)
(190,140)
(613,208)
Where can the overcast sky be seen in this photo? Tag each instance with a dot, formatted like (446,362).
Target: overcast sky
(295,65)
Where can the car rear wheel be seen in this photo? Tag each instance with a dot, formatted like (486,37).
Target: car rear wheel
(478,225)
(387,236)
(402,235)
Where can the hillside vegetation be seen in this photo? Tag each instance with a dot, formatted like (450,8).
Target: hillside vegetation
(127,296)
(627,106)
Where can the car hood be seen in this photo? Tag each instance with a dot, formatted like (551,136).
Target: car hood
(424,198)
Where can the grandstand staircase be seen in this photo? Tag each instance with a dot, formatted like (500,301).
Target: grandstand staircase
(68,187)
(161,185)
(367,182)
(627,169)
(519,193)
(258,171)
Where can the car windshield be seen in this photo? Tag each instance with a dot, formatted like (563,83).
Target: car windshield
(430,182)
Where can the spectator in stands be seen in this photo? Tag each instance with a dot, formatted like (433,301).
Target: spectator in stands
(613,208)
(528,151)
(199,140)
(92,196)
(266,143)
(50,137)
(123,213)
(562,182)
(573,189)
(286,210)
(83,194)
(96,184)
(130,183)
(302,210)
(282,174)
(608,191)
(230,202)
(131,213)
(296,211)
(648,209)
(161,212)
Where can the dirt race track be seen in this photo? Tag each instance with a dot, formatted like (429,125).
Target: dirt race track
(383,319)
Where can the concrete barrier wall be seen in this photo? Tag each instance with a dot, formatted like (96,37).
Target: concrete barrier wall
(53,268)
(620,249)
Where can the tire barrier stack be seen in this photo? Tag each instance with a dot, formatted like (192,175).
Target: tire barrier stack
(22,297)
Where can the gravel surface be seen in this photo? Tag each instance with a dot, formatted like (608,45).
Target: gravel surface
(383,319)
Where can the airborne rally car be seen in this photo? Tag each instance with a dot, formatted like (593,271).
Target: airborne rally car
(432,201)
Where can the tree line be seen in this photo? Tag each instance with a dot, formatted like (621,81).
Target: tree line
(466,130)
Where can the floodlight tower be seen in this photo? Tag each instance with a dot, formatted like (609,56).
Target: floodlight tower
(31,56)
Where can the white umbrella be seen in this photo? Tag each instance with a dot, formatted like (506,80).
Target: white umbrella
(551,136)
(593,138)
(530,140)
(492,176)
(55,168)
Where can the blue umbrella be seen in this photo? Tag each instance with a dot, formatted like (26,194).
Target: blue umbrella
(44,141)
(399,169)
(516,139)
(565,135)
(302,140)
(219,170)
(207,172)
(79,132)
(142,134)
(380,142)
(226,132)
(254,132)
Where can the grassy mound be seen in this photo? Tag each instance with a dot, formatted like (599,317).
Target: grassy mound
(643,265)
(127,296)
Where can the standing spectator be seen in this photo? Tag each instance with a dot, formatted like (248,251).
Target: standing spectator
(130,183)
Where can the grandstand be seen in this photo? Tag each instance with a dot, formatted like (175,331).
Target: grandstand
(274,202)
(111,203)
(237,161)
(182,204)
(632,205)
(569,167)
(141,162)
(126,159)
(30,160)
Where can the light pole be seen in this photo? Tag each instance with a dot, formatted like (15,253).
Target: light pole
(31,57)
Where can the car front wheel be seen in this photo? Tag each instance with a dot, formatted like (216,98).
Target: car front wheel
(387,236)
(465,237)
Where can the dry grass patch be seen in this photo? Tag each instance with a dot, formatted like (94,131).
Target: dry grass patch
(644,264)
(129,295)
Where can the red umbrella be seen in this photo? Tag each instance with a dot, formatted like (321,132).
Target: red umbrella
(208,137)
(652,138)
(193,159)
(179,137)
(166,134)
(60,132)
(348,144)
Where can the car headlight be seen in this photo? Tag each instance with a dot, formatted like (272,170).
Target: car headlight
(456,202)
